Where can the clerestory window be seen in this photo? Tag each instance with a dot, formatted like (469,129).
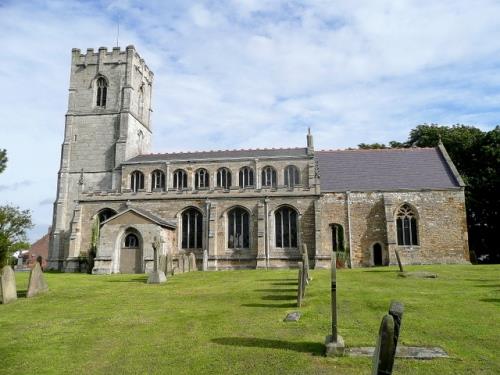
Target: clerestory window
(269,177)
(292,176)
(157,180)
(180,179)
(136,181)
(224,178)
(201,179)
(246,177)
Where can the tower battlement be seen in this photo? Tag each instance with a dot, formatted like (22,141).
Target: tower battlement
(116,56)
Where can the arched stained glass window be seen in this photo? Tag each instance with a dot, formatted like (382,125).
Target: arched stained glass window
(285,220)
(406,224)
(192,229)
(238,229)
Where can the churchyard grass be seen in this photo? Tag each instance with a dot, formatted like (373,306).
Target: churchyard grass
(232,322)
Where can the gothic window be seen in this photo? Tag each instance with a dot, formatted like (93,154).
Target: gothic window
(224,178)
(102,90)
(140,101)
(285,220)
(136,181)
(406,224)
(238,229)
(337,237)
(180,179)
(131,241)
(192,229)
(105,214)
(292,176)
(157,180)
(268,177)
(246,177)
(201,179)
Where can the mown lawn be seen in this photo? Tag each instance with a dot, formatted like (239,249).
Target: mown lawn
(232,323)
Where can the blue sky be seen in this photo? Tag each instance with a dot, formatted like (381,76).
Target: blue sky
(248,74)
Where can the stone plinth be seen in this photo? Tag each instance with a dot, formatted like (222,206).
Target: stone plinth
(334,349)
(157,277)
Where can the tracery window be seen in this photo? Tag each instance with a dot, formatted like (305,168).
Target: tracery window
(246,177)
(202,179)
(238,229)
(131,241)
(292,176)
(268,177)
(406,224)
(224,178)
(285,220)
(136,181)
(192,229)
(180,179)
(102,90)
(157,180)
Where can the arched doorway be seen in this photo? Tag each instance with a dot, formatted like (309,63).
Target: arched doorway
(131,252)
(378,258)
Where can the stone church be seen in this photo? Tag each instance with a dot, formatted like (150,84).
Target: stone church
(251,208)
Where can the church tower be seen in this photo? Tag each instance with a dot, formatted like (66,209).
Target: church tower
(107,122)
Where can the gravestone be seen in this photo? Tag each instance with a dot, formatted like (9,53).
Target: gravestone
(383,358)
(292,317)
(334,343)
(192,262)
(8,292)
(396,310)
(163,264)
(305,259)
(36,283)
(185,263)
(169,265)
(399,261)
(205,260)
(157,276)
(300,285)
(180,264)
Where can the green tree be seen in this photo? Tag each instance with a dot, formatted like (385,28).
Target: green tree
(3,160)
(13,226)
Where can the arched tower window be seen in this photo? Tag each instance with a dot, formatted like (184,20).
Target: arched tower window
(224,178)
(238,229)
(292,176)
(102,91)
(201,179)
(180,179)
(406,224)
(268,177)
(140,101)
(136,181)
(158,180)
(246,177)
(131,241)
(192,229)
(285,220)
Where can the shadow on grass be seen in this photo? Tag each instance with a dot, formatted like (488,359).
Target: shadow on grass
(290,283)
(276,290)
(142,280)
(278,297)
(273,306)
(494,300)
(381,270)
(252,342)
(488,286)
(22,293)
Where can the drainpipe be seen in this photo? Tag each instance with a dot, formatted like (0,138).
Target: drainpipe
(348,195)
(207,225)
(266,234)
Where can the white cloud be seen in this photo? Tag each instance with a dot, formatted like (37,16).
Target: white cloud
(240,73)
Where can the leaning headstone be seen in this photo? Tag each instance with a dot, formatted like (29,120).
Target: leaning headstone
(305,256)
(157,276)
(399,261)
(8,291)
(169,265)
(205,260)
(300,285)
(383,358)
(162,265)
(185,263)
(37,283)
(334,343)
(192,262)
(396,310)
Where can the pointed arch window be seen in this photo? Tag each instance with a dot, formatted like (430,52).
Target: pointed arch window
(285,220)
(246,177)
(158,180)
(140,101)
(406,224)
(102,91)
(224,178)
(180,179)
(136,181)
(201,179)
(192,229)
(131,241)
(292,176)
(269,177)
(238,229)
(105,214)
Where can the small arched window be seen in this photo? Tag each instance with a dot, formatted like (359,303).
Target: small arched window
(285,219)
(238,229)
(224,178)
(246,177)
(406,224)
(292,176)
(105,214)
(269,177)
(140,101)
(180,179)
(131,241)
(136,181)
(201,179)
(158,180)
(192,229)
(102,91)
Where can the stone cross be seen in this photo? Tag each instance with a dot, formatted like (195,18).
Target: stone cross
(157,276)
(334,343)
(8,292)
(156,245)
